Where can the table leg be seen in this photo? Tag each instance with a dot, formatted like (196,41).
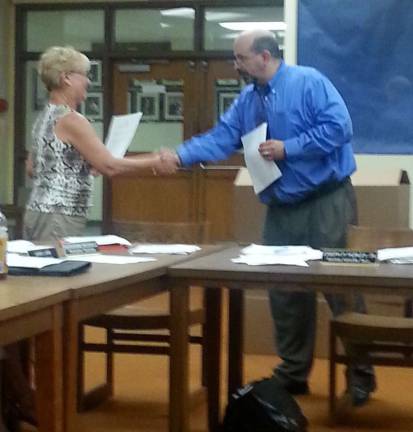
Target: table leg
(48,373)
(179,359)
(235,339)
(212,344)
(70,357)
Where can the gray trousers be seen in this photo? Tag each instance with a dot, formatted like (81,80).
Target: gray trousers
(46,227)
(320,221)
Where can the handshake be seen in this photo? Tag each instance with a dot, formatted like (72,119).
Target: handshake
(166,162)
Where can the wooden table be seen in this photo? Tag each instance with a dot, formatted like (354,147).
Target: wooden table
(217,271)
(107,287)
(32,307)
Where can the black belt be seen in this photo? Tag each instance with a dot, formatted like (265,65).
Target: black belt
(322,190)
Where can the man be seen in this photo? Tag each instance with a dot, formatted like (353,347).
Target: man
(309,137)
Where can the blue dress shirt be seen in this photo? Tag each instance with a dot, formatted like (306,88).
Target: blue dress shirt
(302,109)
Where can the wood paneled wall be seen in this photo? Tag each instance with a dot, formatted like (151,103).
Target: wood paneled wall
(196,195)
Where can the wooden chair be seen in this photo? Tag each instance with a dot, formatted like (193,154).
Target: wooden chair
(133,328)
(375,339)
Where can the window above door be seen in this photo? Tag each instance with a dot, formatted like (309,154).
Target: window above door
(146,30)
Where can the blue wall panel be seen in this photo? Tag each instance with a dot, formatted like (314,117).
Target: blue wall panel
(365,47)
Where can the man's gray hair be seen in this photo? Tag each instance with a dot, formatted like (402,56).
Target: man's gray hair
(269,43)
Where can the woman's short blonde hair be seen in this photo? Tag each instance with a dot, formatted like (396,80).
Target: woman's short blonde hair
(57,60)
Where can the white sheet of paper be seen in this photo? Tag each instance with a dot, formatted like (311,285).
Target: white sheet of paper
(15,260)
(400,254)
(262,172)
(306,253)
(110,259)
(180,249)
(284,255)
(255,260)
(122,129)
(22,246)
(102,240)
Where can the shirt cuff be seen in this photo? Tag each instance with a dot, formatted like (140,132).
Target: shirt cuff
(184,156)
(292,148)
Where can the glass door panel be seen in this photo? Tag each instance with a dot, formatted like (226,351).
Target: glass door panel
(164,93)
(222,86)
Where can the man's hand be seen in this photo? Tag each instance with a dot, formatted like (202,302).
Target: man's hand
(272,150)
(168,162)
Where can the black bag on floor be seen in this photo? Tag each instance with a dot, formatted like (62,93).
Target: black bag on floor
(263,406)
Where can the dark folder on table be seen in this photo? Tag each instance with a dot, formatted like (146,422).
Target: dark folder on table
(65,268)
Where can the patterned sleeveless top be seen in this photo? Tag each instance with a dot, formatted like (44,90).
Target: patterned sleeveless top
(62,182)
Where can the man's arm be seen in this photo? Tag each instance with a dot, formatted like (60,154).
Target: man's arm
(217,143)
(330,123)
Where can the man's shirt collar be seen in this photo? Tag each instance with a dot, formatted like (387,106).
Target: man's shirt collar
(270,86)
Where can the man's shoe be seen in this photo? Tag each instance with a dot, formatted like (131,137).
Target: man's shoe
(359,396)
(360,386)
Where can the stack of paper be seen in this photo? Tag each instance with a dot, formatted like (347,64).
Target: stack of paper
(150,248)
(283,255)
(401,255)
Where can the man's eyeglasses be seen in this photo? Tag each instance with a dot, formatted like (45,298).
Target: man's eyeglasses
(241,58)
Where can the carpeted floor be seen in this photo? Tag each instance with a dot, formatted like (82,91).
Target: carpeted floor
(140,402)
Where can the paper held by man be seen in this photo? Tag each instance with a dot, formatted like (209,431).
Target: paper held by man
(262,172)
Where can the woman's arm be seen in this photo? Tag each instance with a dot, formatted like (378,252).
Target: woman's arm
(75,129)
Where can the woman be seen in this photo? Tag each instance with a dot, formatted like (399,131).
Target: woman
(65,150)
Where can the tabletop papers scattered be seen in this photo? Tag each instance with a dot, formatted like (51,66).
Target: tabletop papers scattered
(102,240)
(110,259)
(401,255)
(176,249)
(283,255)
(22,246)
(16,260)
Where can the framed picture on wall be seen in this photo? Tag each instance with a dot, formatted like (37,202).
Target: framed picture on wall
(40,93)
(92,107)
(148,103)
(174,106)
(95,73)
(225,100)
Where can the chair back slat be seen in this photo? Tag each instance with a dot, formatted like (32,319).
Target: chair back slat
(372,238)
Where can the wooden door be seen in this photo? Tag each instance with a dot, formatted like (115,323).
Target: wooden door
(204,89)
(165,92)
(221,84)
